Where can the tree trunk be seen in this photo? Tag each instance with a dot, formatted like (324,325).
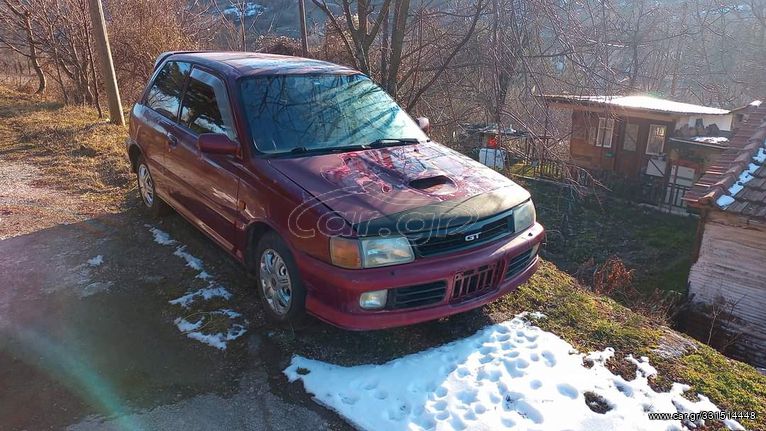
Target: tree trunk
(401,10)
(33,55)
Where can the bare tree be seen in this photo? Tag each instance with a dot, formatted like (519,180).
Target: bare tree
(408,57)
(20,38)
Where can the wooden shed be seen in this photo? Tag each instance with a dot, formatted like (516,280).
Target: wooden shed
(728,278)
(629,134)
(659,145)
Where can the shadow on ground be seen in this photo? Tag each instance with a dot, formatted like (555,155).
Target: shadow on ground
(95,346)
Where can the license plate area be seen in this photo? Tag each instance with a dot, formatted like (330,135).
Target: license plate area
(475,282)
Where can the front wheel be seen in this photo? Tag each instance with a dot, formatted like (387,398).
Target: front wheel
(152,202)
(279,284)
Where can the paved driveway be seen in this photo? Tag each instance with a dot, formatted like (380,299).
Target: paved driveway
(89,338)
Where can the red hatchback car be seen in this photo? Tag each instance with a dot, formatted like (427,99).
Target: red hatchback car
(327,191)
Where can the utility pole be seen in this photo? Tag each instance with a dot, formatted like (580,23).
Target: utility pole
(304,33)
(105,60)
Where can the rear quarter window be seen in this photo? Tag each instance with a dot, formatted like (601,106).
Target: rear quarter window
(164,95)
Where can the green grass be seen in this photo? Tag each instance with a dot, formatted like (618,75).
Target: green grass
(83,154)
(657,246)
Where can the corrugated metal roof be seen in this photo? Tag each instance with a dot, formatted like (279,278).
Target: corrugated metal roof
(639,102)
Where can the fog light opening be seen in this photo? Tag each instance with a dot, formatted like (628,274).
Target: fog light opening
(373,300)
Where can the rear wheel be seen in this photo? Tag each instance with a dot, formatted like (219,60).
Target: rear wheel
(146,190)
(279,284)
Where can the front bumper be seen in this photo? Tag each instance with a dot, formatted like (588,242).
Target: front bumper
(333,293)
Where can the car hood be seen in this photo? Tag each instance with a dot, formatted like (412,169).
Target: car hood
(379,184)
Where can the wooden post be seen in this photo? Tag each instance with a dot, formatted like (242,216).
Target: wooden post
(304,32)
(105,60)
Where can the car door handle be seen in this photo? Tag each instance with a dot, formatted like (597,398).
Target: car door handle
(172,140)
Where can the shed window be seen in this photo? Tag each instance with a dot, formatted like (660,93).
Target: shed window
(656,142)
(603,137)
(631,137)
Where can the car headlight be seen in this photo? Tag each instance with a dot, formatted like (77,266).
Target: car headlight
(370,252)
(524,216)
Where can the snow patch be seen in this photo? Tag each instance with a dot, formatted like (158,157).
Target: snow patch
(724,201)
(512,375)
(160,237)
(96,261)
(755,103)
(194,330)
(249,9)
(219,339)
(761,156)
(206,293)
(711,139)
(191,261)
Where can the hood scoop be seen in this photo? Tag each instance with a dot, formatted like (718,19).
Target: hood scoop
(438,183)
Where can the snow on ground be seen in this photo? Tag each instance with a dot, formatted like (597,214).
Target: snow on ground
(193,325)
(96,261)
(217,339)
(512,375)
(248,9)
(206,293)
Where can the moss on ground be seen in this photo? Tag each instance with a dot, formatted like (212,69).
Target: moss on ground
(591,322)
(81,153)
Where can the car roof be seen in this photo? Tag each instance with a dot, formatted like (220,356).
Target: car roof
(239,64)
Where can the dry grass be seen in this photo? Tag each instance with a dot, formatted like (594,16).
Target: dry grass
(77,152)
(83,155)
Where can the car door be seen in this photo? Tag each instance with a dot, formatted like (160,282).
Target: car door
(206,184)
(156,117)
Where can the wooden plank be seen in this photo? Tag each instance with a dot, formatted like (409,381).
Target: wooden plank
(732,267)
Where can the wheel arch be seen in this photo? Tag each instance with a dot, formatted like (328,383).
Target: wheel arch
(254,232)
(134,152)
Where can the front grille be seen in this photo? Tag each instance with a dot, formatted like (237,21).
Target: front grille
(519,263)
(475,282)
(438,242)
(416,296)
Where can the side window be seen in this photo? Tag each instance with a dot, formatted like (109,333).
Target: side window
(604,133)
(656,142)
(631,137)
(165,94)
(206,106)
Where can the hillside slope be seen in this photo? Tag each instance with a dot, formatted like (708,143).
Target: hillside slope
(81,157)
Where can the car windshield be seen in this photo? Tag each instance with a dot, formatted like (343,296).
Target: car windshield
(316,113)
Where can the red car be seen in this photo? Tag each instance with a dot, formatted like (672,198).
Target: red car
(327,191)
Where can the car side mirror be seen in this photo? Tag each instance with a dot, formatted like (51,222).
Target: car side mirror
(216,143)
(424,123)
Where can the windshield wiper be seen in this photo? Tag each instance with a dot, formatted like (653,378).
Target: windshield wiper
(301,150)
(379,143)
(386,142)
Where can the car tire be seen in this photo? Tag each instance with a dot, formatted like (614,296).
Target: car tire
(279,284)
(146,190)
